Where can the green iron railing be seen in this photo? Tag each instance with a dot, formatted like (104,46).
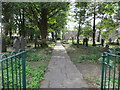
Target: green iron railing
(110,71)
(13,70)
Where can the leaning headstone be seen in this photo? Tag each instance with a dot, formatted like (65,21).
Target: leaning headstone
(16,44)
(22,43)
(4,48)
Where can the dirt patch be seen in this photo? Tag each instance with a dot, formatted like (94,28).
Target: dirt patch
(89,69)
(91,73)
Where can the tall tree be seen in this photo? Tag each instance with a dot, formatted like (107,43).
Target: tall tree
(80,12)
(7,12)
(41,12)
(57,24)
(107,14)
(21,15)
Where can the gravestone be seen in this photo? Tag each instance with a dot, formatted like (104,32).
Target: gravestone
(4,48)
(102,42)
(84,41)
(16,44)
(22,43)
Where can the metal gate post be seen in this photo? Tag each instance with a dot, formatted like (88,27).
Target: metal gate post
(102,77)
(24,70)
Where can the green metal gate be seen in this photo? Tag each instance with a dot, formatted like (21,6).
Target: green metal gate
(110,71)
(13,70)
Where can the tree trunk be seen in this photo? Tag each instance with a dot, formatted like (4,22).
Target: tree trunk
(56,35)
(73,40)
(44,27)
(23,24)
(31,37)
(0,29)
(52,36)
(78,34)
(94,30)
(98,40)
(86,41)
(20,31)
(10,32)
(7,26)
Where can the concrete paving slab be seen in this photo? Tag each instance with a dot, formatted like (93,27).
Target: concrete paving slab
(62,73)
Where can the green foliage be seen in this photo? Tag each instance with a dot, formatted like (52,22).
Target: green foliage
(51,44)
(87,31)
(80,12)
(36,67)
(35,76)
(84,58)
(106,12)
(27,18)
(85,54)
(38,55)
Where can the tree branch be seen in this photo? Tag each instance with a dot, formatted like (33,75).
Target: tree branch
(34,14)
(37,9)
(51,25)
(54,13)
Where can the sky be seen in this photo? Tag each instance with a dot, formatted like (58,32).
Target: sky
(71,24)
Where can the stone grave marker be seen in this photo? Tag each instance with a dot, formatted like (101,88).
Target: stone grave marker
(22,43)
(16,44)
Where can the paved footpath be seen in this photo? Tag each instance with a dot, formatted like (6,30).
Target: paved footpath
(62,73)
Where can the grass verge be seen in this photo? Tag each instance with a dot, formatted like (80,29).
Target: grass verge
(86,61)
(37,62)
(36,65)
